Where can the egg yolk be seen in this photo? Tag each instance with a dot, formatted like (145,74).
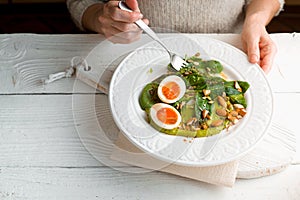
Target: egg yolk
(167,116)
(171,90)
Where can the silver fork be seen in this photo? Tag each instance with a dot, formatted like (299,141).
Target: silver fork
(176,61)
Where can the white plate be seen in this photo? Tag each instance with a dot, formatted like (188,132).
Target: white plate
(134,72)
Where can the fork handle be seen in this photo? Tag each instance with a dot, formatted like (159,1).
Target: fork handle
(140,23)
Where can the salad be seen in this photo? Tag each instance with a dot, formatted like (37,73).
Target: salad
(197,101)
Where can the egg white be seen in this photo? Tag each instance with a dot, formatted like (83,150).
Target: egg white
(171,78)
(153,116)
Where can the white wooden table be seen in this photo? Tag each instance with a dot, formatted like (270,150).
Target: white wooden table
(42,157)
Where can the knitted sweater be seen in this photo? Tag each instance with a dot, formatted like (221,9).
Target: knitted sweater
(192,16)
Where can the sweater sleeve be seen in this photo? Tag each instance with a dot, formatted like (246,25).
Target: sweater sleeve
(281,2)
(77,8)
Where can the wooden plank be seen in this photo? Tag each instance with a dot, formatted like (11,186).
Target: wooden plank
(106,183)
(59,129)
(39,130)
(26,59)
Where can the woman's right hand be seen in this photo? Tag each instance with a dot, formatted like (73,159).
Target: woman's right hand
(115,24)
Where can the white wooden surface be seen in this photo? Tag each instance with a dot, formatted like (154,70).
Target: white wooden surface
(42,157)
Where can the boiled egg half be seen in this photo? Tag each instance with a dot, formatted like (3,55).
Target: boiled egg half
(171,89)
(165,116)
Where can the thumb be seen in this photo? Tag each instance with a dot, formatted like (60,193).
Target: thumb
(253,50)
(133,4)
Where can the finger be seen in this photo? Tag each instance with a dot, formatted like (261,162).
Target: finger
(125,27)
(146,21)
(267,58)
(114,12)
(133,4)
(253,49)
(266,63)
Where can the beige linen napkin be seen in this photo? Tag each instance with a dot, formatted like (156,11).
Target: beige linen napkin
(125,151)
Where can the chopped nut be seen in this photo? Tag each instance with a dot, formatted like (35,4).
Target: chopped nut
(189,60)
(238,106)
(216,123)
(195,63)
(224,94)
(210,102)
(234,113)
(191,121)
(204,114)
(197,54)
(237,86)
(234,120)
(229,125)
(181,105)
(206,92)
(242,112)
(221,112)
(222,101)
(239,117)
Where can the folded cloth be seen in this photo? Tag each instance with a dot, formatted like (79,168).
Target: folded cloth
(126,152)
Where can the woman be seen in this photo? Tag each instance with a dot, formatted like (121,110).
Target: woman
(248,17)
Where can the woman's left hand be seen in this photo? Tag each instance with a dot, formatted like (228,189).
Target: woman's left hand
(258,45)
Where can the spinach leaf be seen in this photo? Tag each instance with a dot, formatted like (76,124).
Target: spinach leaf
(195,80)
(149,96)
(215,85)
(243,84)
(231,91)
(238,99)
(214,66)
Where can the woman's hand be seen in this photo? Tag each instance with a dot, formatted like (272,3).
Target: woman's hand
(256,40)
(259,46)
(115,24)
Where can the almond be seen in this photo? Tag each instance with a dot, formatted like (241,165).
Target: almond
(221,112)
(216,123)
(222,101)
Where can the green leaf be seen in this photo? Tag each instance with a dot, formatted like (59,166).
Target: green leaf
(244,85)
(238,99)
(231,91)
(214,66)
(149,96)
